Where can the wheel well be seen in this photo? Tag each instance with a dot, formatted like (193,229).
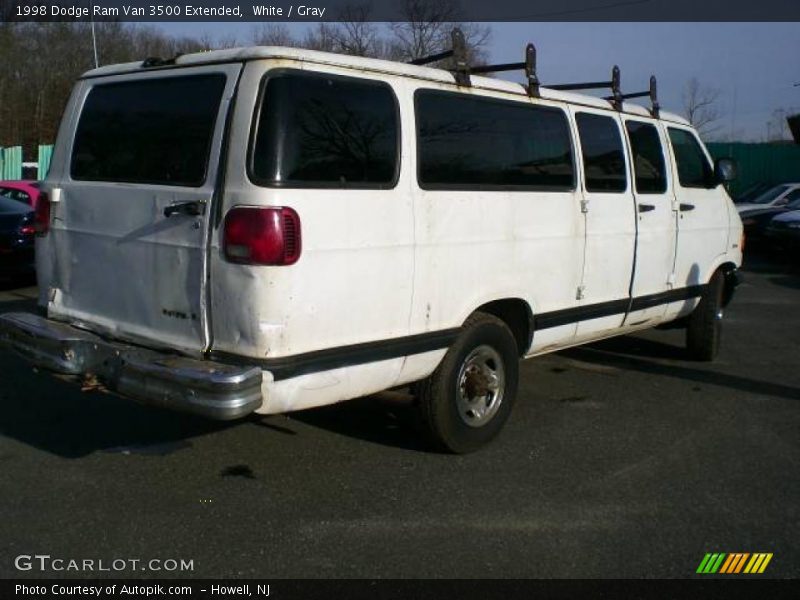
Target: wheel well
(517,314)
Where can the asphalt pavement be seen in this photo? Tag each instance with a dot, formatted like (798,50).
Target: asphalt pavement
(621,459)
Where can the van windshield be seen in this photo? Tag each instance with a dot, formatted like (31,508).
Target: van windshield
(156,131)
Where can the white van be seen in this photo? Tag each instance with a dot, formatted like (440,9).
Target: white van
(271,229)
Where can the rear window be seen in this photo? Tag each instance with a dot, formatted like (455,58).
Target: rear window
(317,130)
(467,142)
(151,131)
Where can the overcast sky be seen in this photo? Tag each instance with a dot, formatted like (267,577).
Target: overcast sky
(754,65)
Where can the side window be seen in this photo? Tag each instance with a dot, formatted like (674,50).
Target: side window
(320,130)
(470,142)
(603,158)
(648,158)
(693,168)
(792,196)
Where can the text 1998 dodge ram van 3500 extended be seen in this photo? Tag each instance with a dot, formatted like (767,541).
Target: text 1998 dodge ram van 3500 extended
(271,229)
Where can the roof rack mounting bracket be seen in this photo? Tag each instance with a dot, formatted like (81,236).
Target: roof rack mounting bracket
(530,71)
(616,92)
(461,68)
(656,107)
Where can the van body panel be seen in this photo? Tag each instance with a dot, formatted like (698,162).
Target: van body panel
(388,274)
(120,265)
(353,282)
(610,237)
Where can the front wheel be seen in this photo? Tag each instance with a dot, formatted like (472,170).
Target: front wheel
(467,400)
(704,329)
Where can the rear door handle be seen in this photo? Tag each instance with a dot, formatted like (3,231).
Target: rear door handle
(646,207)
(192,208)
(685,207)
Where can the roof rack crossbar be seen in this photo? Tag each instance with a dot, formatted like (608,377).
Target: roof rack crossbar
(462,71)
(495,68)
(629,96)
(594,85)
(424,60)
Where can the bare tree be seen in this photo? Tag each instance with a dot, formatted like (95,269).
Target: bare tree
(273,34)
(778,126)
(323,38)
(700,106)
(426,30)
(355,34)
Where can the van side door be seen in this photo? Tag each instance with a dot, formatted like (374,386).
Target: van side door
(655,223)
(702,210)
(610,215)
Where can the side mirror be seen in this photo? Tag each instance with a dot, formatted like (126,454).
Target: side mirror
(724,170)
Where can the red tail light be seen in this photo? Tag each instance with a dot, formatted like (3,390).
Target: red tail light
(42,219)
(262,236)
(27,230)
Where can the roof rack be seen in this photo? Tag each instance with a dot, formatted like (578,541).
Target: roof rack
(462,71)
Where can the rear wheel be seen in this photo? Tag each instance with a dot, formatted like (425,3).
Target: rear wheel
(704,330)
(467,400)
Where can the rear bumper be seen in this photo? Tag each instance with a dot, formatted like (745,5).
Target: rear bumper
(210,389)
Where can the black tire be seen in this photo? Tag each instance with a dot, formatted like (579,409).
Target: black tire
(483,363)
(704,330)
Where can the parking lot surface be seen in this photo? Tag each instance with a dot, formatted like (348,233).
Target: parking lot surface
(621,459)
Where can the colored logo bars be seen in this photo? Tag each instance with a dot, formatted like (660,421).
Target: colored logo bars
(739,562)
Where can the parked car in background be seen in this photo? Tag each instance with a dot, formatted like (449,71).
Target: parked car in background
(23,190)
(754,191)
(785,228)
(17,235)
(780,195)
(756,220)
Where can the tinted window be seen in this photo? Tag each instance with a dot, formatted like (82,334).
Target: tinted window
(603,158)
(18,195)
(770,194)
(648,158)
(693,167)
(466,142)
(325,130)
(152,131)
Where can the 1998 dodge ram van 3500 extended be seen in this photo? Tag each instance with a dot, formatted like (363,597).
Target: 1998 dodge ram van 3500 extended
(271,229)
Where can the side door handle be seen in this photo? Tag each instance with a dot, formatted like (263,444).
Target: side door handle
(192,208)
(686,207)
(646,207)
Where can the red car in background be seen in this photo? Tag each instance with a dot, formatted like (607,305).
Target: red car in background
(26,191)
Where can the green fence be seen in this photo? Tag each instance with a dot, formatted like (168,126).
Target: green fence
(45,153)
(767,163)
(11,162)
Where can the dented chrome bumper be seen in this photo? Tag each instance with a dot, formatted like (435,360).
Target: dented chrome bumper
(207,388)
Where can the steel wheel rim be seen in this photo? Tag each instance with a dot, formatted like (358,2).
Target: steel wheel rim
(481,386)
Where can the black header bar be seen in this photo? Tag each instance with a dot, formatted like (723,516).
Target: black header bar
(288,11)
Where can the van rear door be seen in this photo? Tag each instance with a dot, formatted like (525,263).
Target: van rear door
(131,204)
